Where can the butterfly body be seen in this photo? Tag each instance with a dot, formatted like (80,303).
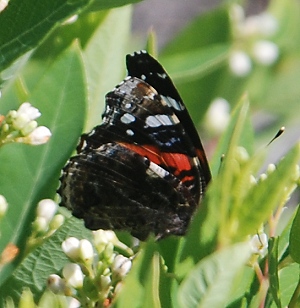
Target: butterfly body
(140,170)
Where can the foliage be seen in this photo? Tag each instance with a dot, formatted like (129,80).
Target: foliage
(64,68)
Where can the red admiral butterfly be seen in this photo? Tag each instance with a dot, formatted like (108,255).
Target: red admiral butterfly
(143,169)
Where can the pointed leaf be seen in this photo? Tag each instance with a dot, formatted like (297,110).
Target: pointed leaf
(24,24)
(210,283)
(104,57)
(295,238)
(273,270)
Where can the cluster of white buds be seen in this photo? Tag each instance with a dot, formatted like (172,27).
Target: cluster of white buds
(46,217)
(253,41)
(94,274)
(47,221)
(21,126)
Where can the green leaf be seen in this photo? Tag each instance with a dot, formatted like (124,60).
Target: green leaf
(284,238)
(288,281)
(207,29)
(107,4)
(45,260)
(24,24)
(210,283)
(295,238)
(273,270)
(30,173)
(104,58)
(152,283)
(268,194)
(194,64)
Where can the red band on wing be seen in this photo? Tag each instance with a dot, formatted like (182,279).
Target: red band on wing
(173,162)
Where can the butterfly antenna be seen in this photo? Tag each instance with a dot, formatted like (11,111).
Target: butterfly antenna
(279,133)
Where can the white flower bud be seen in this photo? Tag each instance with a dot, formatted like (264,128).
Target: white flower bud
(30,127)
(73,302)
(101,239)
(40,224)
(121,266)
(262,24)
(271,168)
(73,275)
(71,247)
(46,208)
(268,24)
(86,250)
(253,180)
(265,52)
(109,250)
(39,136)
(5,128)
(241,154)
(259,244)
(21,121)
(240,63)
(3,206)
(105,282)
(262,177)
(217,116)
(237,13)
(57,221)
(31,112)
(55,284)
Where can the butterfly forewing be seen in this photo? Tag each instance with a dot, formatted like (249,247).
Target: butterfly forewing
(142,65)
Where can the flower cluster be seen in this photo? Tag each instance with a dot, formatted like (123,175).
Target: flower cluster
(47,221)
(95,273)
(253,44)
(20,126)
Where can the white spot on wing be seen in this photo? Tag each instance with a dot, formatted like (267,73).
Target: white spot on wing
(171,102)
(163,75)
(161,119)
(92,132)
(162,173)
(152,121)
(129,132)
(127,118)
